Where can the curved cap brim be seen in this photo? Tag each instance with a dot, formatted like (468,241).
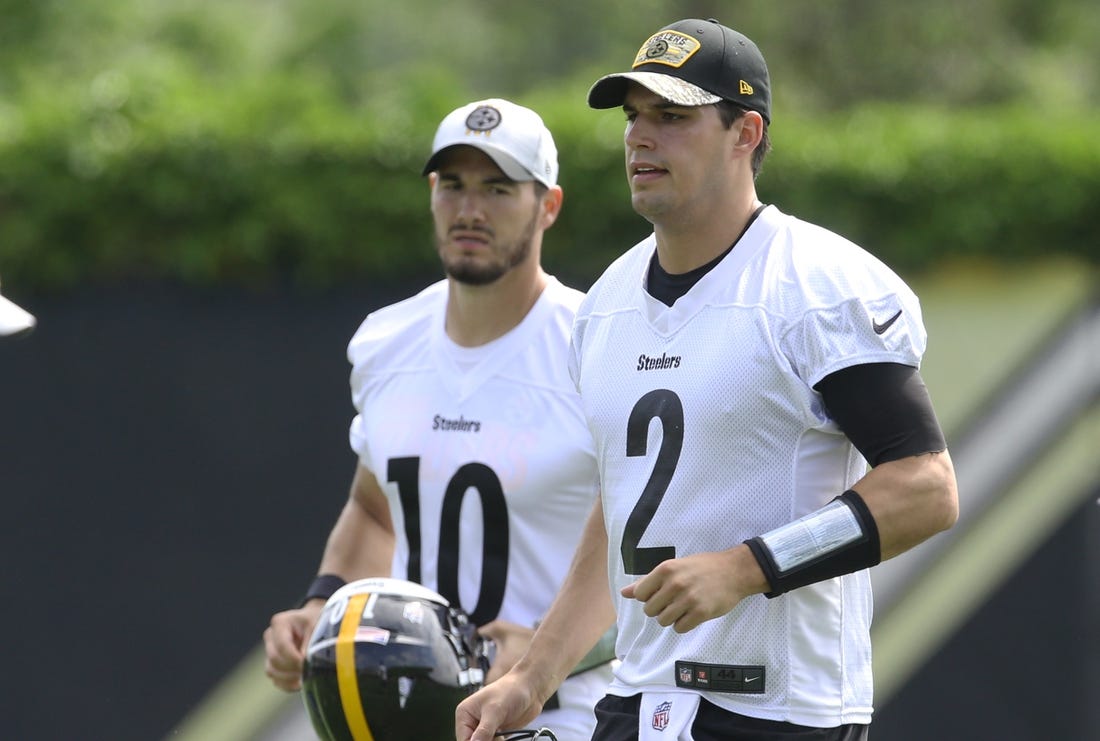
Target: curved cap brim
(506,162)
(610,91)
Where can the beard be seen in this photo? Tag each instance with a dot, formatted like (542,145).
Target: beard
(476,272)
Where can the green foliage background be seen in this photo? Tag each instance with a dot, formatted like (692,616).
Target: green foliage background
(266,141)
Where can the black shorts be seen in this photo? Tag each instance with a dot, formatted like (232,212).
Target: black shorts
(617,720)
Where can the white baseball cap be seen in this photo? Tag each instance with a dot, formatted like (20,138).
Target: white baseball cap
(513,136)
(13,318)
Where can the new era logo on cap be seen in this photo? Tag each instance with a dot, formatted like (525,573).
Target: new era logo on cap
(513,136)
(693,62)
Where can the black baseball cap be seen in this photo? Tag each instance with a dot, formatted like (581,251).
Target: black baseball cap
(694,62)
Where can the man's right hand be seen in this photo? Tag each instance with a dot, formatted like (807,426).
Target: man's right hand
(285,641)
(508,702)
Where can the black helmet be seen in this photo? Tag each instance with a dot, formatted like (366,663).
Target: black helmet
(389,660)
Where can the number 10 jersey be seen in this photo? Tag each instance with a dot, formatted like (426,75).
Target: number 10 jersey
(482,452)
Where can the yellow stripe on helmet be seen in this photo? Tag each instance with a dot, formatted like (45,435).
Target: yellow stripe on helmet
(346,676)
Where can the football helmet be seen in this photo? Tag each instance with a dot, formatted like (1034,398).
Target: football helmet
(388,661)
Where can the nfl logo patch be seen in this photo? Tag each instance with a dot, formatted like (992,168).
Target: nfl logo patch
(371,634)
(685,674)
(660,716)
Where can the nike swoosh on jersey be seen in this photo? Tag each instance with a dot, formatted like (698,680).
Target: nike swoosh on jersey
(880,328)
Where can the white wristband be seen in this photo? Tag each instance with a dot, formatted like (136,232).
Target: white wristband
(813,537)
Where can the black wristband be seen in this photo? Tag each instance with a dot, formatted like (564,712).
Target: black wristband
(861,553)
(323,586)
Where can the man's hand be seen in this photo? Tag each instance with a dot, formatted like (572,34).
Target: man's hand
(685,592)
(285,641)
(506,703)
(511,641)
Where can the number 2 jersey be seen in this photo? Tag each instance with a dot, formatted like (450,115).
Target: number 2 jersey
(708,432)
(482,452)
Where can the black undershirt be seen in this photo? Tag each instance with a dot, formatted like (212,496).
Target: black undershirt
(883,408)
(667,287)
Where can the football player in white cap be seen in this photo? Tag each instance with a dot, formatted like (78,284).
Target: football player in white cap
(476,468)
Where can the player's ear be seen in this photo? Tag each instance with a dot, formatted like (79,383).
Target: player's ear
(551,205)
(750,128)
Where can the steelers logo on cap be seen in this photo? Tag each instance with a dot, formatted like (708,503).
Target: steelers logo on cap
(483,118)
(667,47)
(657,49)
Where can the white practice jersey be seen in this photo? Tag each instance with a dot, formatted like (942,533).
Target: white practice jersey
(483,454)
(708,432)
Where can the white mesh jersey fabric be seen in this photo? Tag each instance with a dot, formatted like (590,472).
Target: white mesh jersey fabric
(503,443)
(711,402)
(485,458)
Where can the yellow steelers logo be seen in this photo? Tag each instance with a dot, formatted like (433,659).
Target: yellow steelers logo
(667,47)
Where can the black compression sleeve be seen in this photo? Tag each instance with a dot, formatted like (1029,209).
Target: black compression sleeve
(884,409)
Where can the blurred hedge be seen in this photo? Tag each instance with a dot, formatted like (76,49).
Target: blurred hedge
(274,181)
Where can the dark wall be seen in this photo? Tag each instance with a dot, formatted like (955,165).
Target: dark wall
(171,462)
(1026,666)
